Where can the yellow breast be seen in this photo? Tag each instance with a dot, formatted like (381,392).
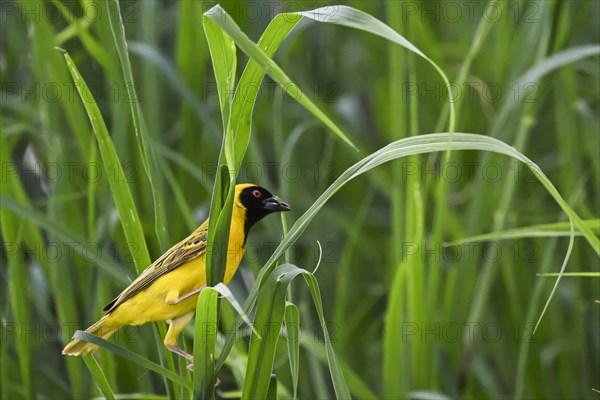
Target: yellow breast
(151,305)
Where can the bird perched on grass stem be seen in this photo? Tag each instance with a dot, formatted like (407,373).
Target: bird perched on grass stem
(168,289)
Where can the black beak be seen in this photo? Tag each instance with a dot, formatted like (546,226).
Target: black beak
(275,204)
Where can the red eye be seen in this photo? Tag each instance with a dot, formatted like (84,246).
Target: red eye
(256,193)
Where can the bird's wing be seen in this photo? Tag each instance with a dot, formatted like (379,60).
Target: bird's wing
(189,248)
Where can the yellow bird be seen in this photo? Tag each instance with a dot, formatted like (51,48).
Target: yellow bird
(168,289)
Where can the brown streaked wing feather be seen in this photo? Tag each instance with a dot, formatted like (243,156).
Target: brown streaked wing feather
(189,248)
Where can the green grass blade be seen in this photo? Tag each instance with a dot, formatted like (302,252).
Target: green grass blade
(17,284)
(205,338)
(197,173)
(521,385)
(268,321)
(408,276)
(221,207)
(128,214)
(99,377)
(180,199)
(133,357)
(70,238)
(554,62)
(353,18)
(355,384)
(223,54)
(337,376)
(558,278)
(292,328)
(152,55)
(227,295)
(532,77)
(141,132)
(246,93)
(402,148)
(394,375)
(420,145)
(543,230)
(510,108)
(49,70)
(272,393)
(224,21)
(269,318)
(224,61)
(12,236)
(483,29)
(137,396)
(572,274)
(92,46)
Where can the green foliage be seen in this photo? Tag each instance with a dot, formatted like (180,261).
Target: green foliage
(99,377)
(430,284)
(121,193)
(205,329)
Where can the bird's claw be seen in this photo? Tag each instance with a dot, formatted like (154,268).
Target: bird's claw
(185,296)
(190,367)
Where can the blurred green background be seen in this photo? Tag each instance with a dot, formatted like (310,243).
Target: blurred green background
(408,315)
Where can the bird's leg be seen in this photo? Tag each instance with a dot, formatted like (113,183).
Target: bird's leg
(185,296)
(176,325)
(190,367)
(181,353)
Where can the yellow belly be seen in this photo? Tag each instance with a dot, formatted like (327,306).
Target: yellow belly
(151,303)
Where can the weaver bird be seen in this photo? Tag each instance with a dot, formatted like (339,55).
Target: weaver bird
(168,289)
